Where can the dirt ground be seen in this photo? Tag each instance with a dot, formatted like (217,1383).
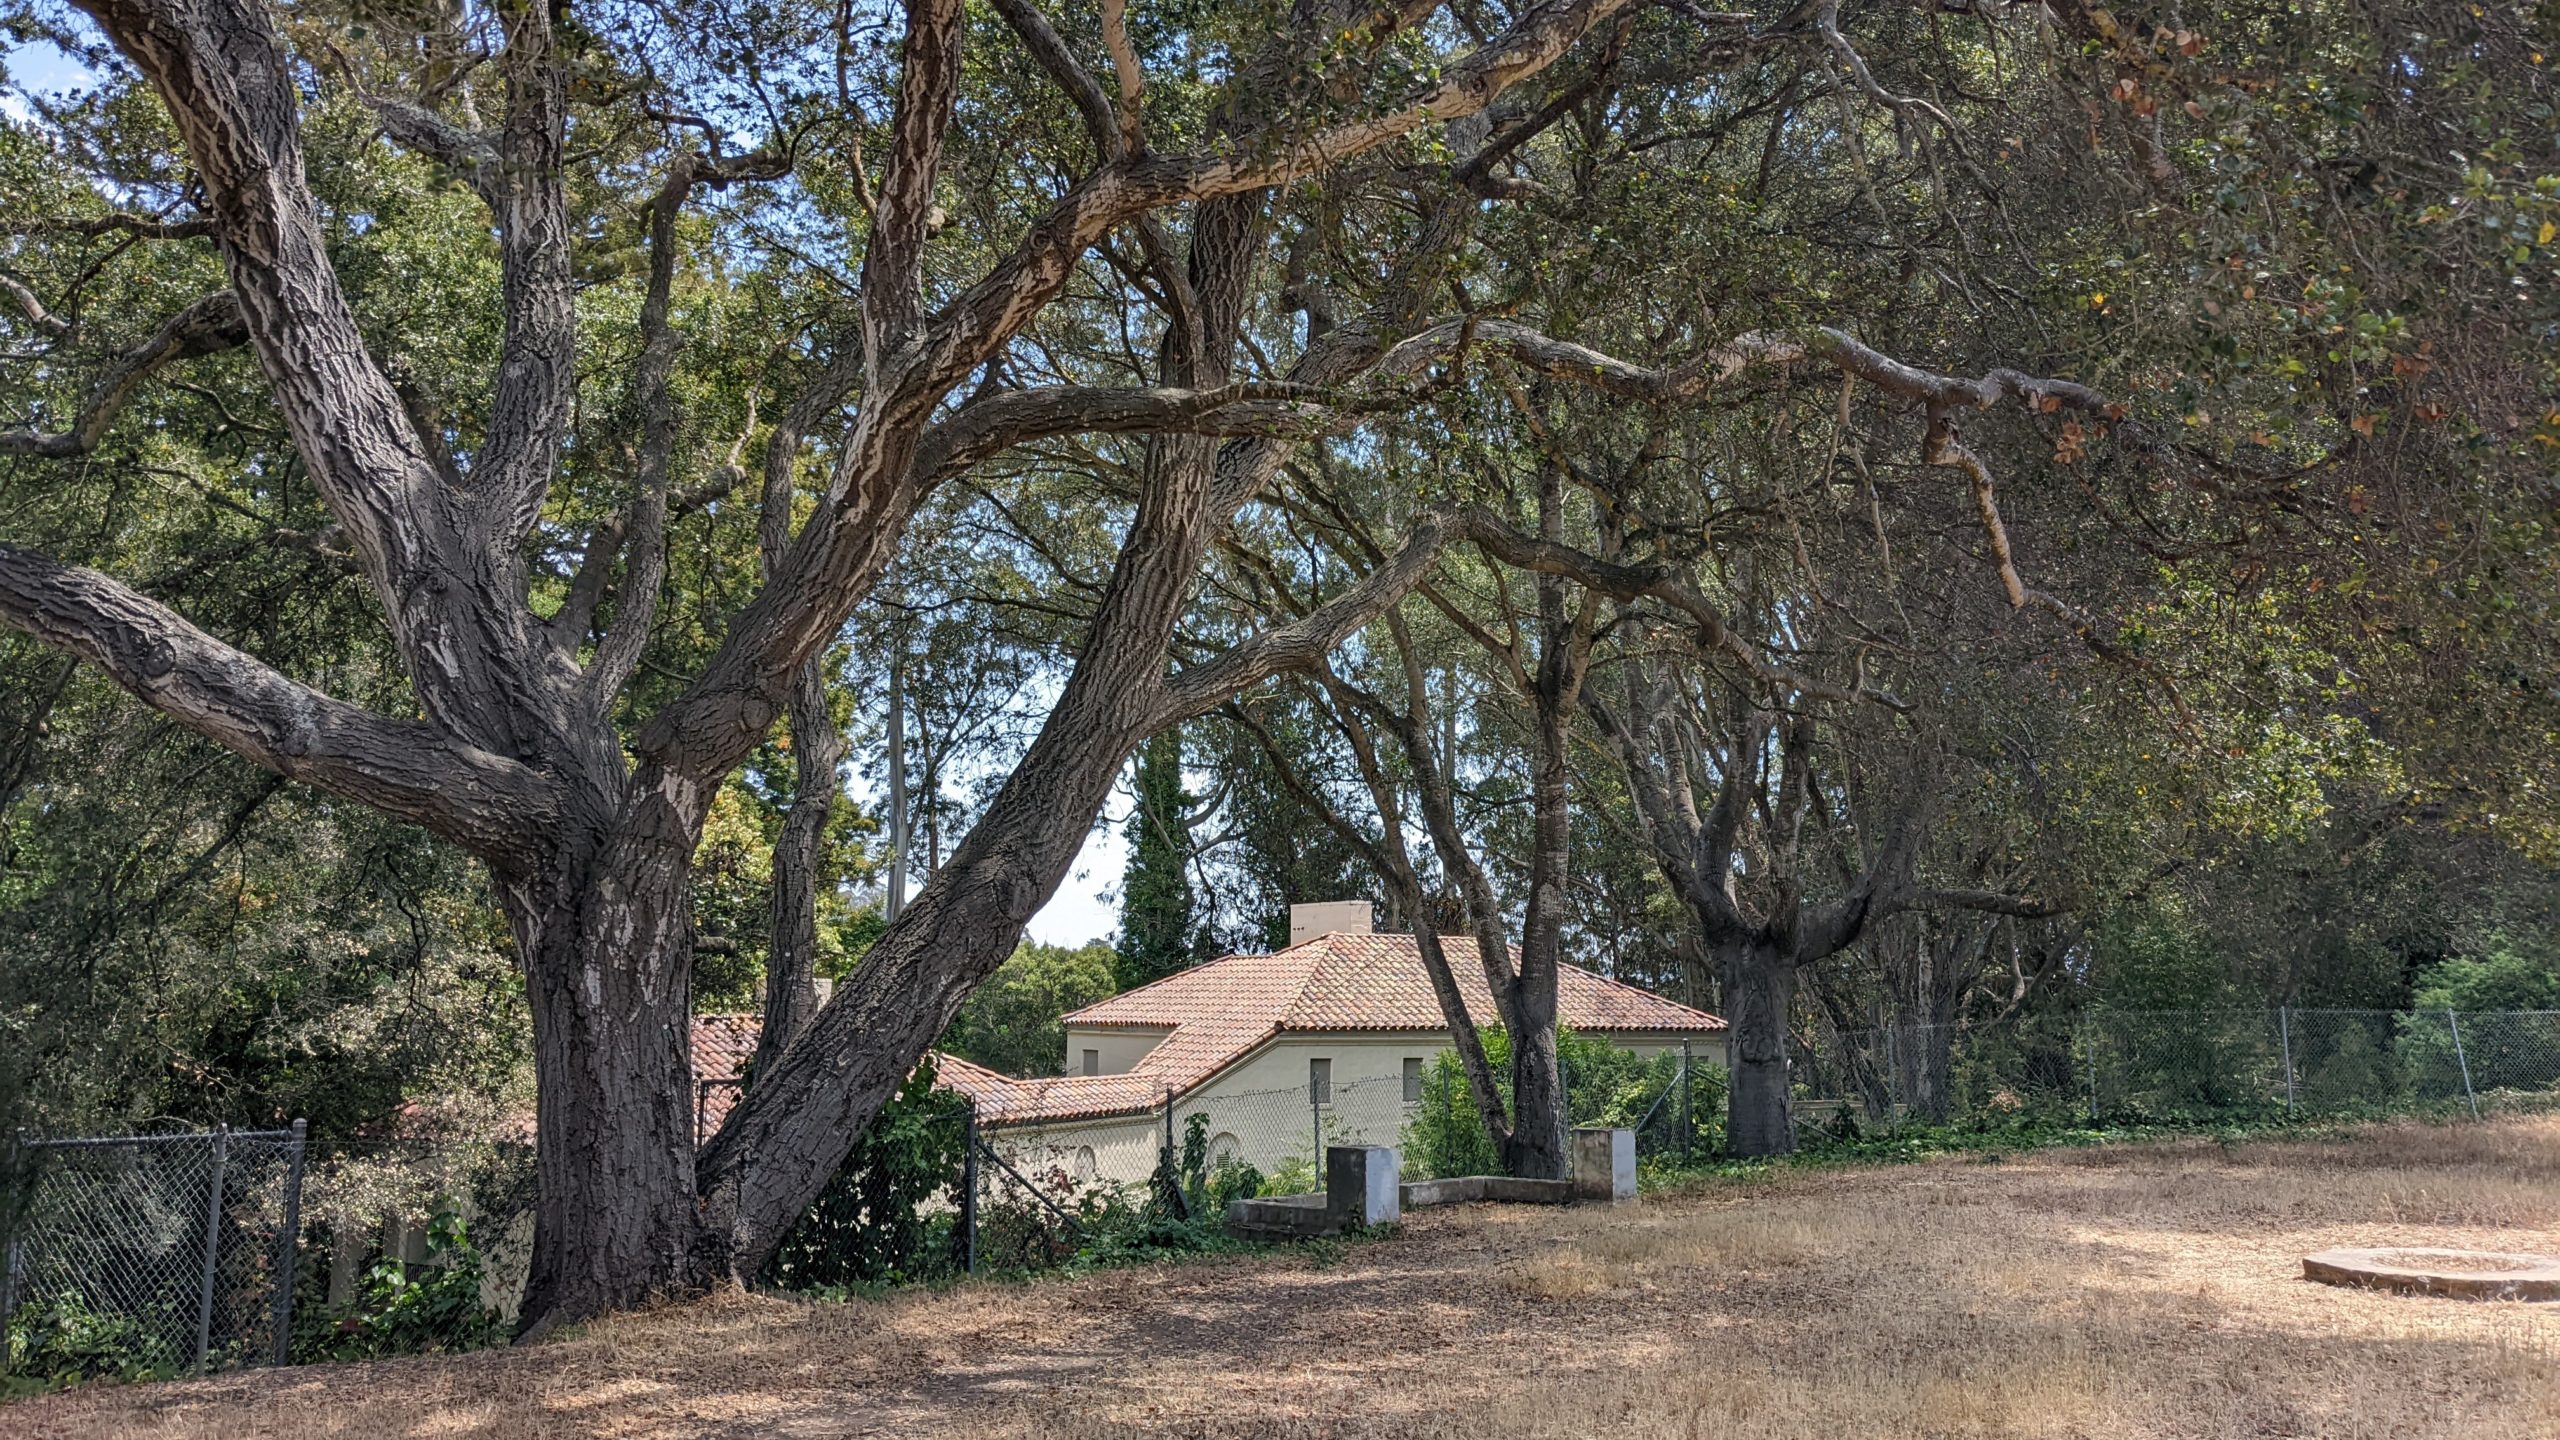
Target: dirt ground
(2141,1291)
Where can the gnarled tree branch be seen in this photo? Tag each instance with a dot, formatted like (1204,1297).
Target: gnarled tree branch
(210,325)
(486,803)
(1302,642)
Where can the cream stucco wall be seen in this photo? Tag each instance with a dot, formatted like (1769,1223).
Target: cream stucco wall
(1118,1048)
(1260,1109)
(1119,1151)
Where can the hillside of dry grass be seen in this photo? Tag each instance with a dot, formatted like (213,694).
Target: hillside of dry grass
(2142,1291)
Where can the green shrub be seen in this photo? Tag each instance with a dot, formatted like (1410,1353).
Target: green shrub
(877,1222)
(407,1309)
(2501,1050)
(1210,1187)
(1604,1086)
(1293,1176)
(56,1340)
(1234,1180)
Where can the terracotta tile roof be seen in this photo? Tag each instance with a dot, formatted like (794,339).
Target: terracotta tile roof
(1370,982)
(1219,1011)
(1006,1099)
(1334,983)
(722,1046)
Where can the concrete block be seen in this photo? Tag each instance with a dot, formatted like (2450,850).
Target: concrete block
(1361,1184)
(1519,1191)
(1282,1217)
(1604,1164)
(1463,1189)
(1455,1190)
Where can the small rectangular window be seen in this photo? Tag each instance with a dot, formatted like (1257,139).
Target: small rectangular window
(1412,1079)
(1320,1081)
(1093,1062)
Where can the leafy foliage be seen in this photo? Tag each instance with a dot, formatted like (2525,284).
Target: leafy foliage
(1010,1023)
(1604,1086)
(1160,929)
(56,1340)
(886,1217)
(403,1309)
(2509,973)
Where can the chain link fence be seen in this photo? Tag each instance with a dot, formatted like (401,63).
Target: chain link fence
(149,1254)
(2179,1067)
(1280,1134)
(159,1254)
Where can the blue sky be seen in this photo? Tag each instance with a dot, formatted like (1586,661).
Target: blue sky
(40,68)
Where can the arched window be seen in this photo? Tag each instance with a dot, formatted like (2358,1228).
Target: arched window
(1224,1147)
(1086,1169)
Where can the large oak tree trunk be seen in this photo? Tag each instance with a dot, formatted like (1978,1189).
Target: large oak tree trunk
(1759,988)
(609,947)
(1536,1147)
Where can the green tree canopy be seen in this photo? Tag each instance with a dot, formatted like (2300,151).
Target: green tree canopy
(1011,1022)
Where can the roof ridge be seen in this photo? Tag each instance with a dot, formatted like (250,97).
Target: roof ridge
(1185,973)
(1615,983)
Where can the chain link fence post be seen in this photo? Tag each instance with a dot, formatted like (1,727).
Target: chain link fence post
(1688,1122)
(212,1244)
(969,1190)
(2089,1045)
(2284,1041)
(1315,1116)
(13,1254)
(288,1235)
(2453,1024)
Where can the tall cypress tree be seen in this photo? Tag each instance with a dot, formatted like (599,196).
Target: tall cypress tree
(1159,929)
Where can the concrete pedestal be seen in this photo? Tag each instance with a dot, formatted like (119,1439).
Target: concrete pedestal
(1362,1191)
(1604,1165)
(1362,1185)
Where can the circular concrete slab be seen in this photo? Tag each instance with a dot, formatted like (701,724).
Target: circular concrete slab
(2462,1274)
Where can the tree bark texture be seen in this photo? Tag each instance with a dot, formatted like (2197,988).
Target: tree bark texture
(1759,990)
(791,956)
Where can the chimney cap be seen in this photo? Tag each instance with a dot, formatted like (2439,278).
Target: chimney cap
(1330,917)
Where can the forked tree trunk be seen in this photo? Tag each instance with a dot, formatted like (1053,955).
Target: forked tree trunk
(1759,989)
(760,1171)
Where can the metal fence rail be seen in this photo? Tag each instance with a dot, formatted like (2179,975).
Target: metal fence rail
(154,1253)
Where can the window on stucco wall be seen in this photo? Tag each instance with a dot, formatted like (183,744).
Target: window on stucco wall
(1412,1079)
(1320,1082)
(1093,1062)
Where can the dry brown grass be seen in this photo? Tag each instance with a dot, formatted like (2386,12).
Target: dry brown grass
(2136,1292)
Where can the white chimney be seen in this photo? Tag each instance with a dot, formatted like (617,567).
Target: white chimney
(1329,917)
